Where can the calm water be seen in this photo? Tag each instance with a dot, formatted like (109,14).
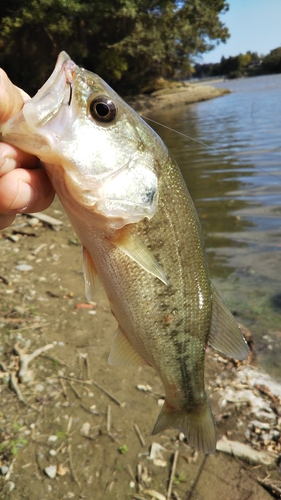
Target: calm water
(236,186)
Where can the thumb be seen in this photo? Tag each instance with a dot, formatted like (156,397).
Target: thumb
(11,98)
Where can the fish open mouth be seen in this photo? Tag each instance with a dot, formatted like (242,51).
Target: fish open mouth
(55,92)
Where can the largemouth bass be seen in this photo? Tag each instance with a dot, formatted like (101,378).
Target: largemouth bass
(140,234)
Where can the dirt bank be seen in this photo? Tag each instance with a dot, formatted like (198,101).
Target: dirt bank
(73,425)
(180,95)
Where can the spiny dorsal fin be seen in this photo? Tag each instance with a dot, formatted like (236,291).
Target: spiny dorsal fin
(122,351)
(91,278)
(136,250)
(225,334)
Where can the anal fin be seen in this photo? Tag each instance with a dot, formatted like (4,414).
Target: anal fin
(138,251)
(225,334)
(91,279)
(122,352)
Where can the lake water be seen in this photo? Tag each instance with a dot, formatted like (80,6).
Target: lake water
(235,182)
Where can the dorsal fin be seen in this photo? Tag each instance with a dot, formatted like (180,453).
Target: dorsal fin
(138,251)
(225,334)
(91,278)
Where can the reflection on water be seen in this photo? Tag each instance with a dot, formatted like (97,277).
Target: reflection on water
(236,186)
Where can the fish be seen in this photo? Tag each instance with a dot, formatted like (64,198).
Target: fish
(140,234)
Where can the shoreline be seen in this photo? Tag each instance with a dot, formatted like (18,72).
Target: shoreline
(174,96)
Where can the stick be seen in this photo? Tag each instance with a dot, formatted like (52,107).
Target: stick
(139,434)
(139,481)
(87,366)
(107,393)
(25,359)
(90,382)
(71,466)
(129,469)
(69,425)
(63,387)
(108,419)
(74,390)
(169,492)
(14,386)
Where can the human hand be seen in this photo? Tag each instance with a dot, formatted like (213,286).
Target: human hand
(24,184)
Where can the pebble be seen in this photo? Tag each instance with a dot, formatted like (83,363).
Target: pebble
(260,425)
(4,470)
(144,388)
(85,429)
(52,438)
(51,471)
(33,221)
(24,267)
(39,387)
(11,486)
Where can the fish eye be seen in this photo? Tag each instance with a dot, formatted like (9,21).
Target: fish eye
(103,109)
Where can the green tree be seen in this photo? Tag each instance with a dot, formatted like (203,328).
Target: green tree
(272,62)
(127,42)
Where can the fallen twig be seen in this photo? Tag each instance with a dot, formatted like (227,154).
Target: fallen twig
(92,382)
(25,359)
(14,386)
(107,393)
(272,486)
(139,434)
(108,419)
(71,465)
(173,471)
(74,390)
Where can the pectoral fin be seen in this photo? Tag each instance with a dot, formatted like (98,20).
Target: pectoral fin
(225,334)
(91,279)
(136,250)
(122,351)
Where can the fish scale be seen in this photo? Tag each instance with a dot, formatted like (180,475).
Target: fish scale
(140,233)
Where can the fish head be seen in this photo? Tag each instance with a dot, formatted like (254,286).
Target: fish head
(94,146)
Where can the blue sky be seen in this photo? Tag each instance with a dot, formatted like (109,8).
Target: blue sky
(254,25)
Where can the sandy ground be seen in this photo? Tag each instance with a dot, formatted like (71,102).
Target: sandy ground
(75,413)
(71,427)
(180,95)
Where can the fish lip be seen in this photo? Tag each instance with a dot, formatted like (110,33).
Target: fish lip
(64,63)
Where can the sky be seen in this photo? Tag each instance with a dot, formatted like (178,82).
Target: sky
(254,25)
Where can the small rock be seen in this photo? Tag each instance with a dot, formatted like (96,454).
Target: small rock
(24,267)
(144,388)
(33,221)
(85,429)
(61,471)
(52,438)
(51,471)
(39,387)
(260,425)
(4,470)
(10,486)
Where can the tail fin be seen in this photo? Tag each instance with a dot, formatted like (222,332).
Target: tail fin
(198,426)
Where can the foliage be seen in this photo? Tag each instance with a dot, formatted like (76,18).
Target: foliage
(272,62)
(232,67)
(127,42)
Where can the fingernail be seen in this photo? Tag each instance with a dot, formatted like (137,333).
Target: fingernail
(26,196)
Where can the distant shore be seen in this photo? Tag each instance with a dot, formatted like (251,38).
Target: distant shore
(146,104)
